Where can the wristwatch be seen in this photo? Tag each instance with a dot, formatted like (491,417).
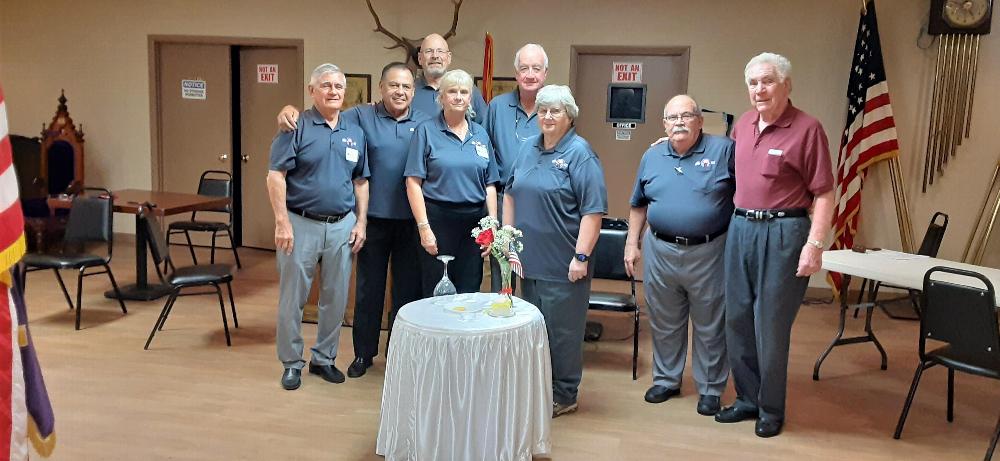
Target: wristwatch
(815,243)
(582,257)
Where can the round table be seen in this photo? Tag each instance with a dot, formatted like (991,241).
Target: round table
(466,386)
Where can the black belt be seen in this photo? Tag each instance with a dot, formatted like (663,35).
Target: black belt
(329,219)
(689,240)
(767,215)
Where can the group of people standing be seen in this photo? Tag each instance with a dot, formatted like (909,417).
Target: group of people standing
(729,242)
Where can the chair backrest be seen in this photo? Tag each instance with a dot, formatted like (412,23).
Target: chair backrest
(934,235)
(609,253)
(90,218)
(961,315)
(157,241)
(217,183)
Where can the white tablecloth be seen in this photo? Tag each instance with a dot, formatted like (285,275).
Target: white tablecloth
(472,388)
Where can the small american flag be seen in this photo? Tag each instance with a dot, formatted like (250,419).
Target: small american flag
(515,262)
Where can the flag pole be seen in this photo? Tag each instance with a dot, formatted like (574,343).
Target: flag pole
(902,208)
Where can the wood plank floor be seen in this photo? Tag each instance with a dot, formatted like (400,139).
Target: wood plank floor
(191,398)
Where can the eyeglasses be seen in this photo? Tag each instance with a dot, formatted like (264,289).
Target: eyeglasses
(433,51)
(686,117)
(555,112)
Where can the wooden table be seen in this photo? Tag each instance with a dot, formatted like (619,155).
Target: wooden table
(891,267)
(165,204)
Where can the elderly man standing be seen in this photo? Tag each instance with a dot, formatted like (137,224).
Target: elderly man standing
(511,119)
(317,180)
(685,188)
(782,170)
(434,58)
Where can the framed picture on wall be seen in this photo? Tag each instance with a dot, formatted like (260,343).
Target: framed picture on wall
(359,90)
(627,102)
(501,85)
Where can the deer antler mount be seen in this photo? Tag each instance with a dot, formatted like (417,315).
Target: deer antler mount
(412,46)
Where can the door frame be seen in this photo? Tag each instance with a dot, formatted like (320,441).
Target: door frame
(576,50)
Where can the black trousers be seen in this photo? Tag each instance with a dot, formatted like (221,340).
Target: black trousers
(388,239)
(452,225)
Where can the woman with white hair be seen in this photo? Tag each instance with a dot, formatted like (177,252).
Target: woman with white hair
(451,178)
(556,195)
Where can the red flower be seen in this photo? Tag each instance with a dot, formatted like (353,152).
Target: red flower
(485,237)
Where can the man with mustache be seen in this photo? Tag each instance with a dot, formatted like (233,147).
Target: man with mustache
(511,120)
(783,170)
(318,187)
(684,188)
(434,58)
(392,232)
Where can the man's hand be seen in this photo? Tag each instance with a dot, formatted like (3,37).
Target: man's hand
(288,118)
(577,270)
(810,261)
(484,251)
(283,239)
(428,241)
(660,141)
(358,236)
(632,256)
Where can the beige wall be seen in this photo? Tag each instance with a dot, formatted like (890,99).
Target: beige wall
(98,53)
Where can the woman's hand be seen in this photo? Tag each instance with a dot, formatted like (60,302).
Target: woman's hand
(428,241)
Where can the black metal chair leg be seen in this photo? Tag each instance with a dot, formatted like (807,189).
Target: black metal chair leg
(993,442)
(64,290)
(118,292)
(194,259)
(232,243)
(222,307)
(212,261)
(79,296)
(909,399)
(161,319)
(236,323)
(164,322)
(951,395)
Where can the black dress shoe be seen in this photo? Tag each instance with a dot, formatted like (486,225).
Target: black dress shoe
(708,405)
(291,379)
(358,367)
(660,394)
(329,373)
(767,427)
(734,414)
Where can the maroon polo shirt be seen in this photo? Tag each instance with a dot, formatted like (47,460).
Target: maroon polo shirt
(785,166)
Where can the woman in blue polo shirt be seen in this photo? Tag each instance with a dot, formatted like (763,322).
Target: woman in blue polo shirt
(555,194)
(451,178)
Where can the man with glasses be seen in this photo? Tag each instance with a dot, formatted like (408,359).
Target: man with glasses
(392,231)
(511,119)
(684,187)
(434,58)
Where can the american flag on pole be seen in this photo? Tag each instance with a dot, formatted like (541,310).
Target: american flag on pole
(515,262)
(869,136)
(25,412)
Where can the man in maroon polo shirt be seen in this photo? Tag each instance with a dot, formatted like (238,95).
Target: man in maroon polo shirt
(783,171)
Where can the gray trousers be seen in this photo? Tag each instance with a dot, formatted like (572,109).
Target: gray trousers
(564,306)
(325,244)
(762,299)
(681,282)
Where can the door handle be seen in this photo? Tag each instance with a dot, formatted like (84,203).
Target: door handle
(246,158)
(223,157)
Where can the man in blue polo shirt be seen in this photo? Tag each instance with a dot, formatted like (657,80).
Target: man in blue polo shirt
(511,120)
(317,180)
(434,58)
(685,188)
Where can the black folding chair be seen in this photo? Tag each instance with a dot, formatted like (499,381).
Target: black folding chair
(90,222)
(213,183)
(185,277)
(964,318)
(609,263)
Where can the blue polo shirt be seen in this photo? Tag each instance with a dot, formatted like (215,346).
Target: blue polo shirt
(388,141)
(453,170)
(690,195)
(552,191)
(509,126)
(425,100)
(321,162)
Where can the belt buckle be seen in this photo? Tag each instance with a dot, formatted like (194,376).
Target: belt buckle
(681,240)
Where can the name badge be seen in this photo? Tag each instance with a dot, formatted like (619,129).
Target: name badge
(352,155)
(482,152)
(777,152)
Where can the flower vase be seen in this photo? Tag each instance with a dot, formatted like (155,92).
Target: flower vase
(503,306)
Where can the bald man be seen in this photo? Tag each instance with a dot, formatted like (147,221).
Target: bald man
(435,58)
(685,188)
